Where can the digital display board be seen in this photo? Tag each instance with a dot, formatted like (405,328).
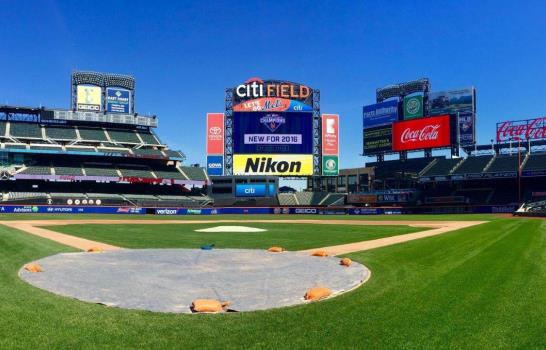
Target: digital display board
(89,98)
(433,132)
(378,114)
(273,164)
(452,101)
(118,100)
(272,133)
(378,140)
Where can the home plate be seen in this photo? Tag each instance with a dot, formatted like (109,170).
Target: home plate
(231,229)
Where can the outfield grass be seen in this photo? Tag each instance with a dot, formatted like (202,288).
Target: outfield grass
(480,287)
(288,236)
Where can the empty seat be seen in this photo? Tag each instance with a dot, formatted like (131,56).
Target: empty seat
(536,162)
(148,151)
(128,171)
(123,136)
(442,167)
(26,130)
(472,165)
(504,163)
(92,134)
(100,170)
(68,170)
(194,173)
(61,132)
(149,138)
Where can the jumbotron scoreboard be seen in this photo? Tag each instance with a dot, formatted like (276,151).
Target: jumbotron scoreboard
(272,127)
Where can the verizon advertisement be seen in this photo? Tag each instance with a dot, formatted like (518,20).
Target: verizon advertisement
(522,130)
(215,133)
(421,133)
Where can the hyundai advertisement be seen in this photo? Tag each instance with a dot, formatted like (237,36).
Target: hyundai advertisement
(272,133)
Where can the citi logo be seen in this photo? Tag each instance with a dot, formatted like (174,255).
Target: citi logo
(257,88)
(267,165)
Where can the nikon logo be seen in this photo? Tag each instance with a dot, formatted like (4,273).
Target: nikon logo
(268,165)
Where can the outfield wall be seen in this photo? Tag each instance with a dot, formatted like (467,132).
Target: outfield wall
(59,209)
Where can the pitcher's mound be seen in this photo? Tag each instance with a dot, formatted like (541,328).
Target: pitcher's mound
(168,280)
(231,229)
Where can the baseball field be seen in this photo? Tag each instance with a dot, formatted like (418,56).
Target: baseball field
(454,281)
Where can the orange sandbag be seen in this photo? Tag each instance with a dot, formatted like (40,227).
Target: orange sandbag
(32,267)
(208,305)
(276,249)
(317,293)
(321,253)
(95,250)
(346,262)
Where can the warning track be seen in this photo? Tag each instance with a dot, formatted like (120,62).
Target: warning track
(432,228)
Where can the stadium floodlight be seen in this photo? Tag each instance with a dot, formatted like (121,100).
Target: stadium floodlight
(402,89)
(92,78)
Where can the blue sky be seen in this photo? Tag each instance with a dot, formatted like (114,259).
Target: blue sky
(183,55)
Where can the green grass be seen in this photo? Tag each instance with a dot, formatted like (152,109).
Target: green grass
(479,288)
(288,236)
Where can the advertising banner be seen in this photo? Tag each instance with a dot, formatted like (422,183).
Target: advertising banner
(118,100)
(88,98)
(59,209)
(377,140)
(273,164)
(330,134)
(467,128)
(421,133)
(251,190)
(413,107)
(272,104)
(530,129)
(330,165)
(384,113)
(215,133)
(257,88)
(452,101)
(215,165)
(278,132)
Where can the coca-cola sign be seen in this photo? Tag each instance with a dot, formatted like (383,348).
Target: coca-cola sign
(522,130)
(421,133)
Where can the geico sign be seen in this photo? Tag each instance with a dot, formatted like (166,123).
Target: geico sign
(215,165)
(257,88)
(273,164)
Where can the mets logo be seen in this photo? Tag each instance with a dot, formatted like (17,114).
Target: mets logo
(272,121)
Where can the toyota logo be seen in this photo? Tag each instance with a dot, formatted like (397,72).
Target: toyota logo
(215,130)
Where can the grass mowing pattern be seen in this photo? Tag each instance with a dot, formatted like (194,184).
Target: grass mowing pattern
(288,236)
(480,287)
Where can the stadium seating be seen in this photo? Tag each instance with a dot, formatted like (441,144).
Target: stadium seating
(113,150)
(166,173)
(333,199)
(194,173)
(472,165)
(123,136)
(395,168)
(2,129)
(503,163)
(536,162)
(60,133)
(149,138)
(55,148)
(147,151)
(92,134)
(441,167)
(287,199)
(173,154)
(68,170)
(37,170)
(100,170)
(475,195)
(133,171)
(310,198)
(15,196)
(26,130)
